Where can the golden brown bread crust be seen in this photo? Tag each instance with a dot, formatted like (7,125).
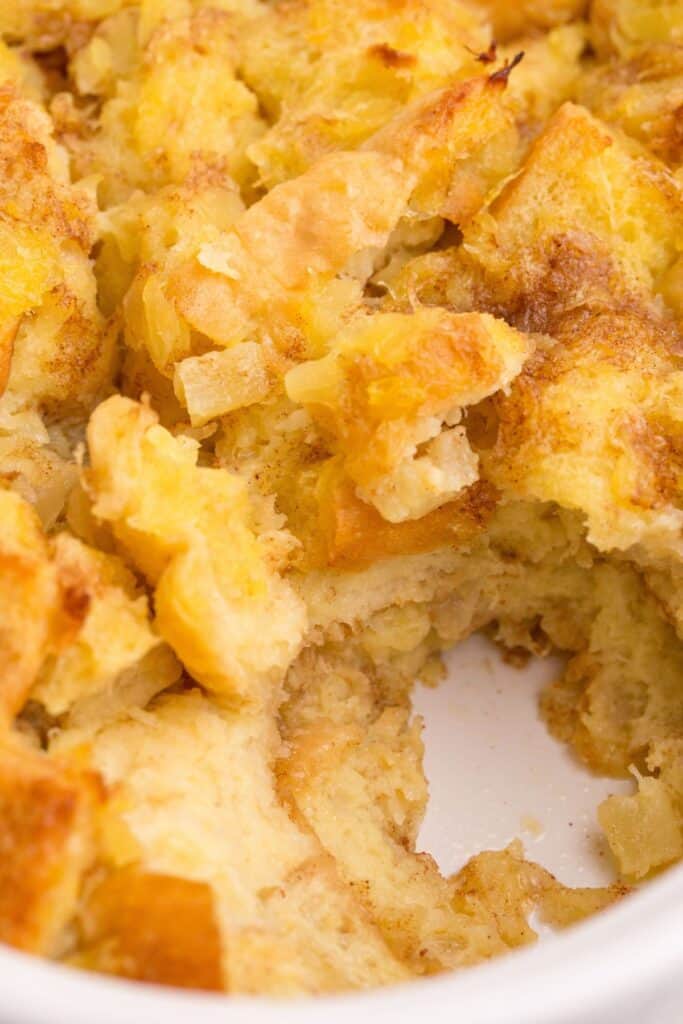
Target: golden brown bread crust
(55,352)
(153,928)
(643,96)
(354,534)
(27,180)
(46,845)
(9,333)
(393,385)
(28,598)
(510,21)
(619,341)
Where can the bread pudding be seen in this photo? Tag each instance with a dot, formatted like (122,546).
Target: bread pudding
(330,333)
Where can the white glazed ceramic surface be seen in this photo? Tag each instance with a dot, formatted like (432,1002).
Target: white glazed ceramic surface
(495,775)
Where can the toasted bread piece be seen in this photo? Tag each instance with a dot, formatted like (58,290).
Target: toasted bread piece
(508,21)
(626,26)
(331,74)
(351,534)
(47,843)
(61,355)
(56,353)
(353,201)
(73,623)
(152,927)
(211,575)
(391,394)
(600,402)
(615,202)
(105,654)
(172,102)
(344,205)
(28,602)
(643,96)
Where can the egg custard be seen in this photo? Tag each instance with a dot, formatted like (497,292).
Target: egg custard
(330,333)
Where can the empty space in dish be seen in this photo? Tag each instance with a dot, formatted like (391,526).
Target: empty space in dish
(496,774)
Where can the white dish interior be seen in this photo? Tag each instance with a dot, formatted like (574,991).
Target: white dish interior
(496,774)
